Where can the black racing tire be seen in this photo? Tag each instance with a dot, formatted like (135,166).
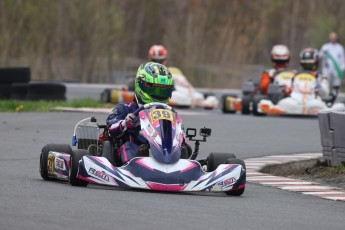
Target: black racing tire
(108,152)
(14,74)
(236,161)
(46,91)
(224,107)
(237,192)
(19,91)
(246,100)
(216,159)
(5,91)
(256,100)
(63,148)
(105,96)
(76,156)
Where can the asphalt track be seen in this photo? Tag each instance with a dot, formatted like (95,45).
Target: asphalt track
(28,202)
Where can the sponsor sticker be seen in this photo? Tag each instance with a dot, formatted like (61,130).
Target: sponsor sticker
(50,163)
(60,164)
(227,183)
(100,174)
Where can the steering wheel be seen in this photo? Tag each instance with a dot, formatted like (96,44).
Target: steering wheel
(150,105)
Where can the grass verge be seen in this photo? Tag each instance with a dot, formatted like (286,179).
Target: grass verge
(45,106)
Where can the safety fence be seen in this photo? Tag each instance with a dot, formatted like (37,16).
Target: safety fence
(332,129)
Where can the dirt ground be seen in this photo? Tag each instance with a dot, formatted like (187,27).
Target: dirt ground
(310,170)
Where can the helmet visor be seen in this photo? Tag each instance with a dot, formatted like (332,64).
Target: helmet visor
(157,91)
(158,60)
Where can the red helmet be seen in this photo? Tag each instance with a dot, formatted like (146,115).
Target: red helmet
(158,53)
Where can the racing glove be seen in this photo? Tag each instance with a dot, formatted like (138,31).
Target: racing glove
(131,121)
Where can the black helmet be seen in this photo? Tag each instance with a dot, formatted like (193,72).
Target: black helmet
(309,59)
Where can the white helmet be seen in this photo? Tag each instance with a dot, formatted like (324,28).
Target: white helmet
(280,54)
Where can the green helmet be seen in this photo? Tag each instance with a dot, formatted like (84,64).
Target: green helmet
(153,83)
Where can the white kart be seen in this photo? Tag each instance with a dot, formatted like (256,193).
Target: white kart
(186,95)
(304,100)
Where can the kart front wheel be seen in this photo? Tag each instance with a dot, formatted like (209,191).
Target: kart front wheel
(246,99)
(236,192)
(62,148)
(76,156)
(216,159)
(256,101)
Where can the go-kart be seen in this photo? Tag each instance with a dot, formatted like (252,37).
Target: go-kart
(163,163)
(184,94)
(252,95)
(304,99)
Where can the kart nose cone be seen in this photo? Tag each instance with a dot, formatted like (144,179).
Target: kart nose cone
(166,156)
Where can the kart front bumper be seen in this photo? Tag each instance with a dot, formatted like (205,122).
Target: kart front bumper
(147,173)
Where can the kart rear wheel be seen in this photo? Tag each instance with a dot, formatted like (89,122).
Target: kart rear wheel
(237,192)
(76,156)
(215,159)
(246,99)
(108,152)
(64,148)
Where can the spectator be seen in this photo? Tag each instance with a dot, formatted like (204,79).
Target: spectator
(333,64)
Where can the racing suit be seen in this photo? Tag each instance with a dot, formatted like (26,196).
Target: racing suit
(333,65)
(267,77)
(306,95)
(118,130)
(322,83)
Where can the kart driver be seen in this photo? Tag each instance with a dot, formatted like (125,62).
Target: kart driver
(309,62)
(153,83)
(158,54)
(280,56)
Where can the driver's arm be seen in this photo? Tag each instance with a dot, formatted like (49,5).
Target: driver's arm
(122,119)
(115,121)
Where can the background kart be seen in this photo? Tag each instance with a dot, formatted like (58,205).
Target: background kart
(184,94)
(164,166)
(252,95)
(302,101)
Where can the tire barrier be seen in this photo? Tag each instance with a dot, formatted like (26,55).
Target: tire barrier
(5,91)
(10,76)
(332,130)
(116,96)
(19,91)
(14,75)
(46,91)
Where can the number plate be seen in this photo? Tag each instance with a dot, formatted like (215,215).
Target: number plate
(305,77)
(161,114)
(286,75)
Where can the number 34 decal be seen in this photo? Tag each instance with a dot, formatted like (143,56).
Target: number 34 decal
(161,114)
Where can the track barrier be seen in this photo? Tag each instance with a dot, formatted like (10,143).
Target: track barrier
(332,130)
